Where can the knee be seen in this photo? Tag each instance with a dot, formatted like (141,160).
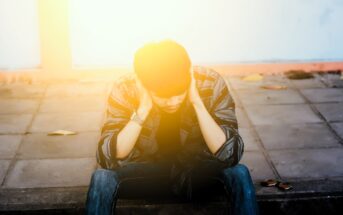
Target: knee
(104,178)
(239,172)
(239,177)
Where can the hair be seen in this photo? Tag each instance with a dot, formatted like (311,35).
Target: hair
(163,67)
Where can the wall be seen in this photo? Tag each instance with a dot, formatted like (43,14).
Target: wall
(214,31)
(19,36)
(106,33)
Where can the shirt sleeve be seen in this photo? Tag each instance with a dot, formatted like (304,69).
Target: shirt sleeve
(223,112)
(117,116)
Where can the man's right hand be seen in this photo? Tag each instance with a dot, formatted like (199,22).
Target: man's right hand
(145,101)
(129,135)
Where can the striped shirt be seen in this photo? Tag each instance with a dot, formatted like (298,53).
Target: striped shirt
(124,100)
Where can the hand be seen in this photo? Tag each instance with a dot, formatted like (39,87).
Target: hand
(193,94)
(145,101)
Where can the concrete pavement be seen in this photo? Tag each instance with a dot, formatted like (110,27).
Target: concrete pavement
(294,134)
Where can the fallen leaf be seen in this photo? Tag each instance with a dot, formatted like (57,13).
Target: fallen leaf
(298,74)
(274,87)
(61,132)
(254,77)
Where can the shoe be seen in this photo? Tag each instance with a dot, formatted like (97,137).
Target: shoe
(284,186)
(276,183)
(269,183)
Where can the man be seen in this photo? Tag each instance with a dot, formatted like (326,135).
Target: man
(169,119)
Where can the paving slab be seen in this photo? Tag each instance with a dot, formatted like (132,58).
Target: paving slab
(19,106)
(76,90)
(242,118)
(50,173)
(257,165)
(293,136)
(86,103)
(238,103)
(249,138)
(332,112)
(231,90)
(332,80)
(281,114)
(238,84)
(338,127)
(9,145)
(308,83)
(309,163)
(4,164)
(323,95)
(44,146)
(85,121)
(260,96)
(24,91)
(14,123)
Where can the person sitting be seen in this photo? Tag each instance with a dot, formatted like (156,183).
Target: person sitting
(174,120)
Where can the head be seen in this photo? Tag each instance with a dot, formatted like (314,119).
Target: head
(164,70)
(169,104)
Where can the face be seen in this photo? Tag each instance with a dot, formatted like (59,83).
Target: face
(169,105)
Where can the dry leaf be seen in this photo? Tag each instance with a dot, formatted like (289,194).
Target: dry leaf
(255,77)
(274,87)
(298,74)
(61,132)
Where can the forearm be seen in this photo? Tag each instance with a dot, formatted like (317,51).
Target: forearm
(211,131)
(128,136)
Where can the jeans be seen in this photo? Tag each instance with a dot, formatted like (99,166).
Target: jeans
(103,190)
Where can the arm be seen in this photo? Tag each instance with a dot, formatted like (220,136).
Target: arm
(219,124)
(129,134)
(212,133)
(119,134)
(117,116)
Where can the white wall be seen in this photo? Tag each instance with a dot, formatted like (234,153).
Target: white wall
(213,31)
(107,32)
(19,36)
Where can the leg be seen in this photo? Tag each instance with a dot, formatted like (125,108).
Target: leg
(238,183)
(103,190)
(102,193)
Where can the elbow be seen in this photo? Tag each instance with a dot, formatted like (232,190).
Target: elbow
(119,152)
(230,161)
(234,162)
(231,152)
(121,156)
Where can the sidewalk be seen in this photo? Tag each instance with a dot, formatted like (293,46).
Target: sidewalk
(295,134)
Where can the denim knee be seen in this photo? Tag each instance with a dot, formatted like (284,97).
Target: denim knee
(237,179)
(238,174)
(241,171)
(103,178)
